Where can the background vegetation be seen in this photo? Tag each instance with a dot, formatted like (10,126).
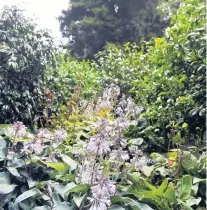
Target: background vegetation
(123,130)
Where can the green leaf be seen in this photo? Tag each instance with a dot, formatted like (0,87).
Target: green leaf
(183,204)
(162,187)
(118,198)
(6,188)
(116,207)
(31,183)
(42,208)
(2,153)
(13,171)
(80,188)
(2,142)
(139,206)
(63,206)
(26,204)
(4,126)
(162,171)
(68,177)
(184,186)
(137,141)
(58,166)
(147,170)
(194,189)
(197,180)
(63,190)
(148,185)
(58,205)
(2,148)
(170,195)
(17,164)
(69,161)
(134,177)
(193,201)
(4,178)
(184,125)
(143,194)
(78,199)
(6,198)
(30,193)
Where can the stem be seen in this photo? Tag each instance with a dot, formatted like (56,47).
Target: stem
(93,168)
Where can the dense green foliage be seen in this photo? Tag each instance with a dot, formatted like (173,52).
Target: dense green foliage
(166,76)
(90,25)
(72,74)
(123,132)
(24,54)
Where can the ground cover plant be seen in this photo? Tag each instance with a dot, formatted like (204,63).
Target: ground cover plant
(123,132)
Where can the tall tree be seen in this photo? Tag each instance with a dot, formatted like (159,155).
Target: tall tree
(90,24)
(25,53)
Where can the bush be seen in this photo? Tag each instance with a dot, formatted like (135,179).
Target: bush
(166,76)
(170,81)
(72,76)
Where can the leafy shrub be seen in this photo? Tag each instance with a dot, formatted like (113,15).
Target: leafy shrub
(72,76)
(165,77)
(117,65)
(24,54)
(170,81)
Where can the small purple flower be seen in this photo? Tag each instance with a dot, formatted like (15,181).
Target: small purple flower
(103,105)
(34,146)
(139,162)
(103,187)
(17,130)
(119,111)
(132,110)
(44,134)
(119,155)
(89,170)
(123,102)
(101,191)
(102,125)
(99,203)
(98,144)
(60,135)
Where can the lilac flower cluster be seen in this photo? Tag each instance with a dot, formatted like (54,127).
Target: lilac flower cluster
(98,144)
(109,142)
(127,107)
(89,169)
(18,130)
(60,135)
(119,155)
(138,160)
(36,145)
(108,99)
(44,135)
(101,191)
